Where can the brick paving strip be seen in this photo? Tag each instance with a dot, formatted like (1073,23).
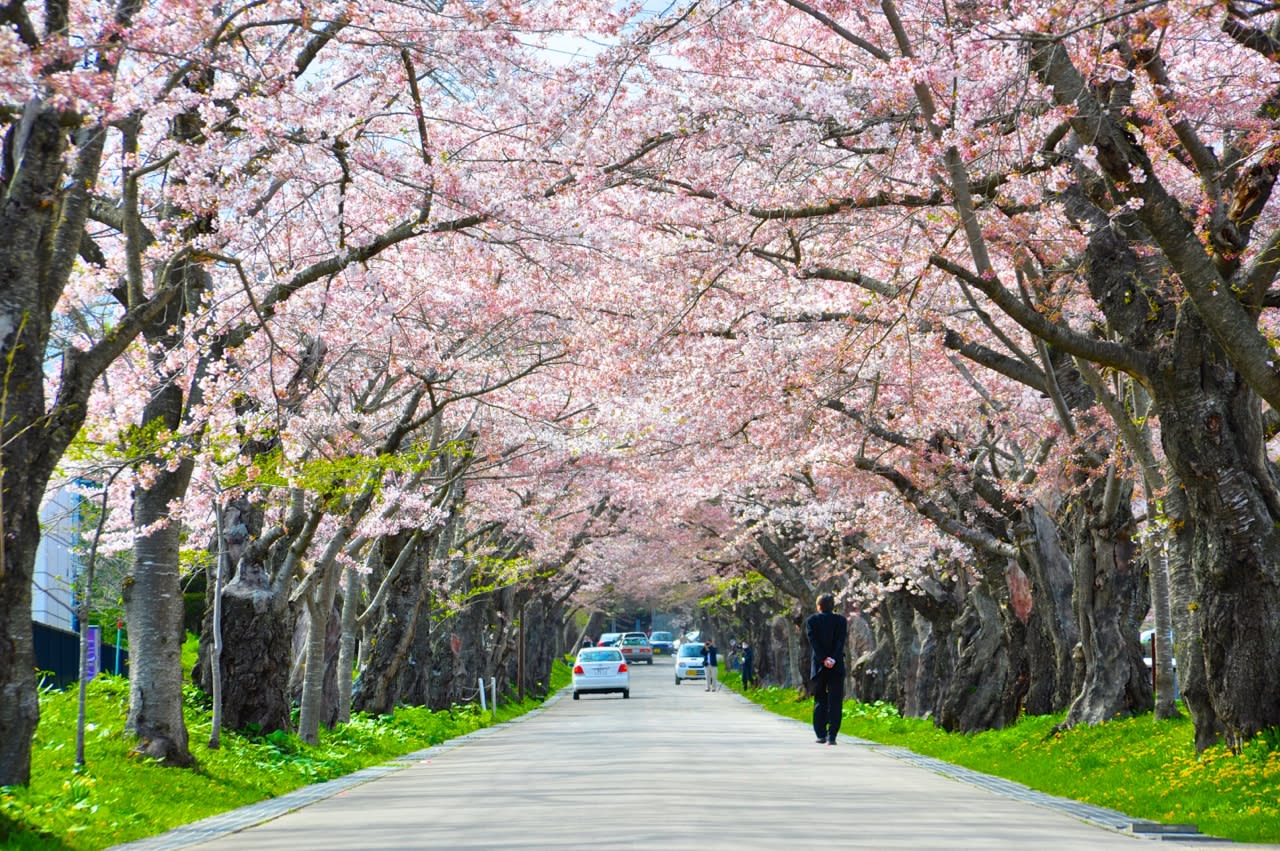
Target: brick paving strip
(1091,813)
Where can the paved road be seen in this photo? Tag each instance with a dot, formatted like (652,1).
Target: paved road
(672,767)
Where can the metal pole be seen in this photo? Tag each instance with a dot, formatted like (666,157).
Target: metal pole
(483,706)
(493,695)
(1155,663)
(520,658)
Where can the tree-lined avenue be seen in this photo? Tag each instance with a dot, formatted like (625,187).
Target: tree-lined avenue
(671,767)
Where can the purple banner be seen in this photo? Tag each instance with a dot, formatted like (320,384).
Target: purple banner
(94,654)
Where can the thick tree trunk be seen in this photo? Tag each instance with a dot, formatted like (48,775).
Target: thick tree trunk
(1164,673)
(393,638)
(797,670)
(352,587)
(1223,496)
(872,675)
(413,680)
(318,698)
(259,622)
(42,218)
(542,619)
(256,655)
(257,627)
(1211,428)
(770,645)
(19,704)
(988,684)
(1184,594)
(1111,599)
(938,663)
(1052,618)
(153,609)
(455,660)
(937,608)
(906,656)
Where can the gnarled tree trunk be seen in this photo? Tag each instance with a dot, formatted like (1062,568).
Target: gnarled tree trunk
(256,653)
(1211,428)
(988,683)
(1052,631)
(393,638)
(1111,599)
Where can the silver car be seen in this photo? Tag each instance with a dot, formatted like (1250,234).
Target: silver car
(689,665)
(600,670)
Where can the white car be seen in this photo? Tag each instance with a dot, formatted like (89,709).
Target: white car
(689,664)
(600,670)
(635,647)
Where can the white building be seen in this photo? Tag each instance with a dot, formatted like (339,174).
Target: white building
(53,595)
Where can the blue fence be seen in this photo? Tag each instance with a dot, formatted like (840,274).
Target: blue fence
(58,656)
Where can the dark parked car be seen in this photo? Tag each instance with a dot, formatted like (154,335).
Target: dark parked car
(661,642)
(608,639)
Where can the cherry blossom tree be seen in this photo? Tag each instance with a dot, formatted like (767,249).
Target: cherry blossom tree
(1038,173)
(206,165)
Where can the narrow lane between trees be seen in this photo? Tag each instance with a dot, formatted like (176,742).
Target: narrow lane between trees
(671,767)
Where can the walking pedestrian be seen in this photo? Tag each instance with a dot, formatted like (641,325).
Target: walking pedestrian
(827,633)
(709,665)
(748,665)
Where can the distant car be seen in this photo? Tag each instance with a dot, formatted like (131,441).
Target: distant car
(635,646)
(600,670)
(661,642)
(608,639)
(689,663)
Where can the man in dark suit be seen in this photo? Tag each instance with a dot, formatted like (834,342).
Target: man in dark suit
(827,633)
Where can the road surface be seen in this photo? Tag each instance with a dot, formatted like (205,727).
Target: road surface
(673,767)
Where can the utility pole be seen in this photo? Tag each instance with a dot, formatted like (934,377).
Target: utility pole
(520,657)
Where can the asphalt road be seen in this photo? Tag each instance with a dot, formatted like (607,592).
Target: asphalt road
(673,767)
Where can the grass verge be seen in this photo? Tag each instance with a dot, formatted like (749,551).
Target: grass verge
(118,798)
(1144,768)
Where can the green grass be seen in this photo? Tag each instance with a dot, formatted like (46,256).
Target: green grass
(1144,768)
(118,797)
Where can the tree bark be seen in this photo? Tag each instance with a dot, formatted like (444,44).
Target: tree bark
(393,635)
(1111,598)
(1211,428)
(256,657)
(936,605)
(988,686)
(872,675)
(19,703)
(1210,414)
(318,698)
(906,656)
(42,217)
(153,609)
(1183,594)
(1052,617)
